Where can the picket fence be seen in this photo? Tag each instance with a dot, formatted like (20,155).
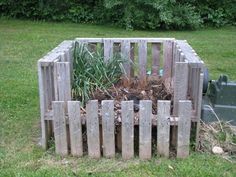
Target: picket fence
(60,115)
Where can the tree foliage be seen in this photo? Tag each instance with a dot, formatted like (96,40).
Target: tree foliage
(135,14)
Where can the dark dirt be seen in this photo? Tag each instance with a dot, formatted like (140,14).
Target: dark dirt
(154,90)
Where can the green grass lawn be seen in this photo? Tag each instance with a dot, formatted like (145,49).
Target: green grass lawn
(22,43)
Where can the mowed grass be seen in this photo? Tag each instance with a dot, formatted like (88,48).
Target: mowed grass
(22,43)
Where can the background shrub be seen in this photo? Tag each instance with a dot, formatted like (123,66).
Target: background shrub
(136,14)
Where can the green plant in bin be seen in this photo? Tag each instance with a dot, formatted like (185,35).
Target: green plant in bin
(92,72)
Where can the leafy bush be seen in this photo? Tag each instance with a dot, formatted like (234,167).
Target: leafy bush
(136,14)
(91,72)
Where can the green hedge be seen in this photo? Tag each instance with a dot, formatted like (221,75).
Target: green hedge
(136,14)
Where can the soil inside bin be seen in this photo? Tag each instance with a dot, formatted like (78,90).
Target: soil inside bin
(154,90)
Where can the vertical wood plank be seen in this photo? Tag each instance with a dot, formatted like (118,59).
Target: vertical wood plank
(108,49)
(127,113)
(75,128)
(49,86)
(59,124)
(180,92)
(132,55)
(55,81)
(174,60)
(64,81)
(199,108)
(168,57)
(156,47)
(163,128)
(196,79)
(108,128)
(182,57)
(142,52)
(92,124)
(63,56)
(184,125)
(44,136)
(125,52)
(180,84)
(178,55)
(145,129)
(46,91)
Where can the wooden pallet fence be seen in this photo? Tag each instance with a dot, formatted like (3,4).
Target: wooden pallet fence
(126,46)
(60,117)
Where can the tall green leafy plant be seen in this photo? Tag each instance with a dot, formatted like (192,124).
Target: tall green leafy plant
(92,72)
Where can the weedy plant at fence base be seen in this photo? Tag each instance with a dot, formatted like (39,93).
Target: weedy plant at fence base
(91,72)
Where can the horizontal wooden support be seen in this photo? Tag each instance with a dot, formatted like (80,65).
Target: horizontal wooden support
(133,40)
(173,120)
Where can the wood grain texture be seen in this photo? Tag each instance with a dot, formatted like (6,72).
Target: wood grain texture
(184,126)
(125,52)
(44,135)
(127,113)
(145,129)
(92,123)
(156,48)
(108,49)
(63,81)
(168,58)
(75,128)
(108,128)
(132,55)
(180,84)
(163,128)
(142,55)
(199,106)
(59,124)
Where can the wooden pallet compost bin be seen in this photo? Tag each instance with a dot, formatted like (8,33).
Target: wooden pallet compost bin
(61,118)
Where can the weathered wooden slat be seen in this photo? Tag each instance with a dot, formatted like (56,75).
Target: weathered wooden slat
(145,129)
(174,60)
(63,56)
(142,52)
(132,55)
(184,125)
(163,128)
(180,84)
(59,124)
(199,104)
(182,57)
(46,91)
(108,49)
(179,51)
(168,57)
(108,128)
(63,81)
(92,126)
(125,52)
(44,135)
(196,79)
(180,92)
(127,129)
(156,47)
(188,51)
(55,85)
(75,128)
